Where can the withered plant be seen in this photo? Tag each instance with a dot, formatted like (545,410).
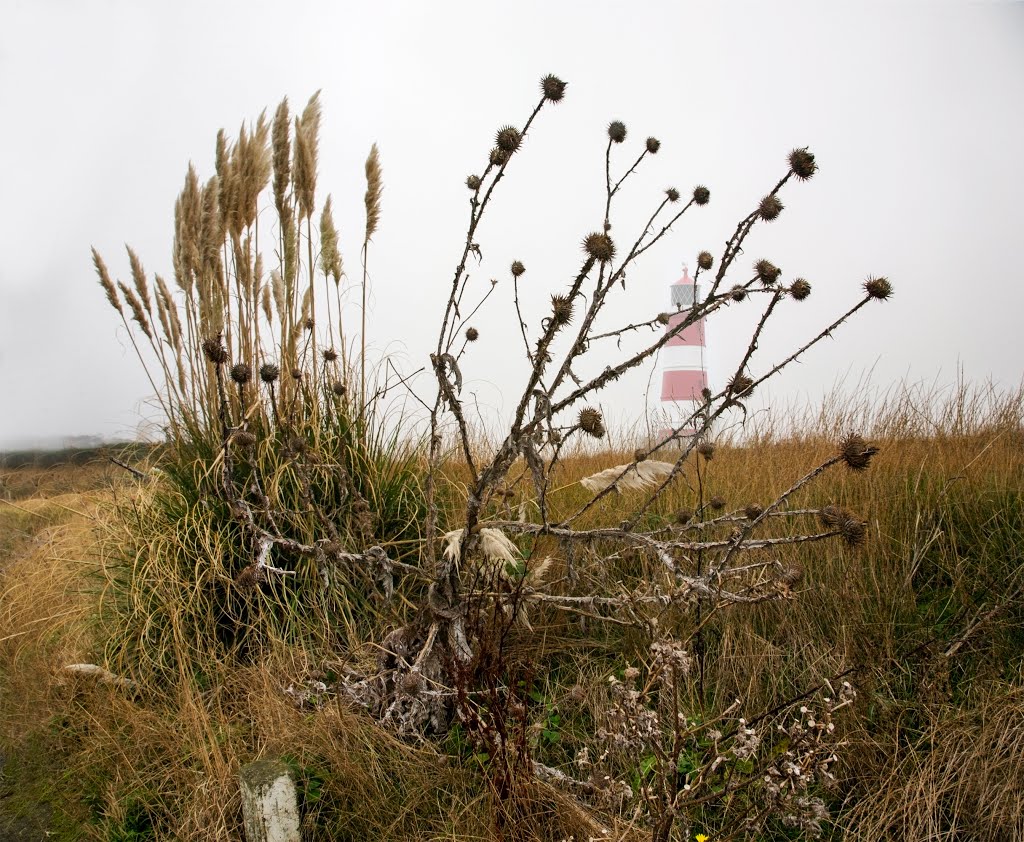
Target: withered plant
(625,564)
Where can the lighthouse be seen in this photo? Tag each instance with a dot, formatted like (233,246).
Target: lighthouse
(684,376)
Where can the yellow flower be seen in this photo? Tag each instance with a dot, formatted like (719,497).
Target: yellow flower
(702,837)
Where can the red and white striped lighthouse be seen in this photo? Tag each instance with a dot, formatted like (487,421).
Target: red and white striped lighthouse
(684,376)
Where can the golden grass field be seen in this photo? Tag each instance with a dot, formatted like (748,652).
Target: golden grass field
(927,618)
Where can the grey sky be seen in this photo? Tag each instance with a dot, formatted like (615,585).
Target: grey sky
(914,112)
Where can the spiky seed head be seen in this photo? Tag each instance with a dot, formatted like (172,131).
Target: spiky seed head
(309,324)
(663,318)
(717,503)
(296,374)
(705,393)
(473,182)
(517,268)
(737,293)
(244,438)
(799,289)
(508,139)
(599,246)
(801,163)
(639,454)
(684,516)
(673,194)
(617,131)
(561,309)
(472,334)
(701,195)
(339,388)
(741,385)
(879,288)
(498,156)
(241,373)
(769,208)
(269,372)
(707,450)
(553,88)
(329,354)
(792,575)
(653,145)
(767,272)
(412,683)
(830,516)
(248,579)
(850,528)
(705,261)
(297,445)
(856,452)
(753,511)
(590,422)
(215,352)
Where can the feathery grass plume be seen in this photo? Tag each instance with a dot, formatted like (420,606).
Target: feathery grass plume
(138,314)
(639,476)
(307,151)
(277,287)
(171,307)
(105,282)
(330,257)
(282,152)
(253,169)
(495,545)
(188,216)
(267,310)
(139,279)
(374,188)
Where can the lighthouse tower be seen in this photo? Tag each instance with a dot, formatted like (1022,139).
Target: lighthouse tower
(684,376)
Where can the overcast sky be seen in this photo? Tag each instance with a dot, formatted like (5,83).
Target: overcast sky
(914,112)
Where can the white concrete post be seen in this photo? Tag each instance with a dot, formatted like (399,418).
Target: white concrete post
(270,804)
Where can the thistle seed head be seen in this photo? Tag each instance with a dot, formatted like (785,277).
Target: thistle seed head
(767,272)
(684,516)
(879,288)
(663,318)
(243,438)
(850,528)
(309,324)
(617,131)
(215,352)
(673,194)
(517,268)
(769,208)
(339,388)
(741,385)
(717,503)
(801,163)
(330,355)
(296,374)
(241,373)
(498,156)
(705,393)
(248,579)
(653,145)
(707,450)
(269,372)
(472,334)
(856,452)
(297,445)
(561,309)
(701,195)
(799,289)
(599,246)
(705,261)
(792,575)
(591,422)
(639,454)
(508,139)
(753,511)
(737,293)
(553,88)
(473,182)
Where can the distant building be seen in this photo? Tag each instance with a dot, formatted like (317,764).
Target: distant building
(684,376)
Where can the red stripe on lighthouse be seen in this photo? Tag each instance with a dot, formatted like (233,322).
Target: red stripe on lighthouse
(691,335)
(683,385)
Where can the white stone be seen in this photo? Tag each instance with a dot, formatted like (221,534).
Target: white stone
(270,804)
